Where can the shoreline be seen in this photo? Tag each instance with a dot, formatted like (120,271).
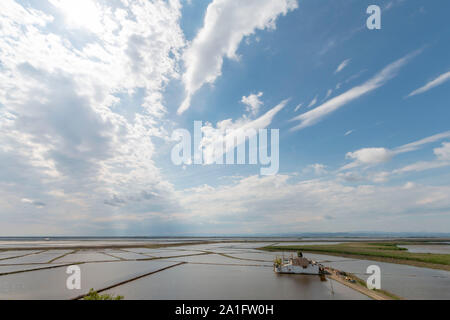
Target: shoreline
(376,254)
(380,259)
(343,278)
(207,240)
(359,285)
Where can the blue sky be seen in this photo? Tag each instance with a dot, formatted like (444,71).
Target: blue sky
(91,93)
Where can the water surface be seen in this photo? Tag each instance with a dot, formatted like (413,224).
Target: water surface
(209,282)
(437,248)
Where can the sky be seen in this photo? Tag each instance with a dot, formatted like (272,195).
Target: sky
(91,92)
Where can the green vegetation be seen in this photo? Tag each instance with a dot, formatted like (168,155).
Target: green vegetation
(93,295)
(388,294)
(278,262)
(363,283)
(378,251)
(387,246)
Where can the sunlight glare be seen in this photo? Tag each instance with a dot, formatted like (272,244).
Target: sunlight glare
(80,13)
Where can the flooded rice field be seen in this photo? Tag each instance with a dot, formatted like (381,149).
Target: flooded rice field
(194,281)
(235,270)
(51,283)
(440,249)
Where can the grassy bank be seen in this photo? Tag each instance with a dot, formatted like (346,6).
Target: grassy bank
(377,251)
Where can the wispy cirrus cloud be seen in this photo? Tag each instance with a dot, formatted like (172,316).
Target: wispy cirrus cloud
(343,65)
(313,102)
(227,130)
(298,107)
(432,84)
(226,24)
(375,156)
(316,115)
(349,132)
(329,93)
(442,160)
(417,144)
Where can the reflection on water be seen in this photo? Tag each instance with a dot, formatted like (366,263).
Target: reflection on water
(127,255)
(231,271)
(51,284)
(306,243)
(405,281)
(219,259)
(12,254)
(86,256)
(194,282)
(42,257)
(440,249)
(14,268)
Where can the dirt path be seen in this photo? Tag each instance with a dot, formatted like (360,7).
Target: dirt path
(356,286)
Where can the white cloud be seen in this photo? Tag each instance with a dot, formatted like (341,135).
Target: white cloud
(349,132)
(370,156)
(380,177)
(130,51)
(63,123)
(35,203)
(374,156)
(422,166)
(392,4)
(312,117)
(442,160)
(81,14)
(298,107)
(443,153)
(227,130)
(329,92)
(343,65)
(353,177)
(355,76)
(432,84)
(253,103)
(313,102)
(417,144)
(409,185)
(317,168)
(226,23)
(359,177)
(275,203)
(71,143)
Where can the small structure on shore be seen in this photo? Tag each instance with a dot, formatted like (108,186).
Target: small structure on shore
(298,265)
